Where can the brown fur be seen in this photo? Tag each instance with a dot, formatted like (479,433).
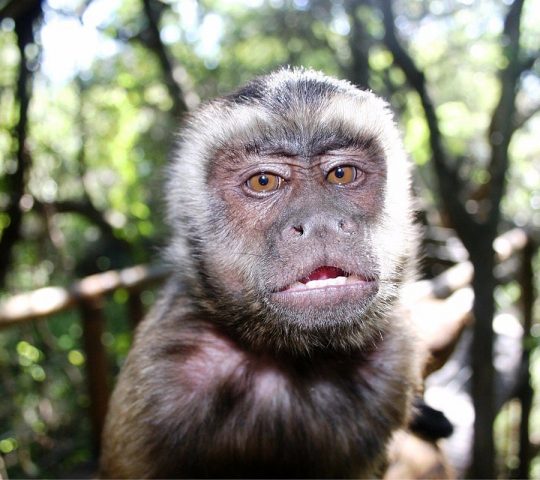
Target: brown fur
(227,379)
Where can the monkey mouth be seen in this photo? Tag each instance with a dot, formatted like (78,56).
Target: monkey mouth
(328,280)
(327,287)
(321,277)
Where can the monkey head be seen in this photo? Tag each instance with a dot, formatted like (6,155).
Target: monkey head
(290,211)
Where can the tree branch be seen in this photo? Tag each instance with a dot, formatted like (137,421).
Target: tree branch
(17,9)
(447,176)
(175,90)
(83,208)
(503,122)
(24,24)
(359,43)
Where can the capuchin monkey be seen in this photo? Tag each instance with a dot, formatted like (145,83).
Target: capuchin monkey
(279,347)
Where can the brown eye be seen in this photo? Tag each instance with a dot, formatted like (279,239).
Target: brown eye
(264,182)
(342,175)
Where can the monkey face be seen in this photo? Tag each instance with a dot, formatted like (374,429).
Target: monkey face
(305,224)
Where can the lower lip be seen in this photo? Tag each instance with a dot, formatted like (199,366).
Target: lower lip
(360,291)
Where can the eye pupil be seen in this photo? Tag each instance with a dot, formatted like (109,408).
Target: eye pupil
(263,180)
(339,172)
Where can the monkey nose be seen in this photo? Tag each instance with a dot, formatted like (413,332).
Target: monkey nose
(321,229)
(347,226)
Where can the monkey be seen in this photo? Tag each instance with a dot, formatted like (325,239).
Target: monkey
(279,346)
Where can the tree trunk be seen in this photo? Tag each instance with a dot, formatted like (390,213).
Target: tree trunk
(16,182)
(483,464)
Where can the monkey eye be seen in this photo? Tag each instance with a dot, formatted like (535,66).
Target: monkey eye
(342,175)
(264,182)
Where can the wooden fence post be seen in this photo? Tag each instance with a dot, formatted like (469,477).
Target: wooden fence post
(525,393)
(93,322)
(135,308)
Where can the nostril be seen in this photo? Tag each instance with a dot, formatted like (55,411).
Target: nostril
(292,232)
(346,226)
(298,229)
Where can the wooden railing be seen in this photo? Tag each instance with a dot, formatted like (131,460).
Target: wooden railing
(449,292)
(87,295)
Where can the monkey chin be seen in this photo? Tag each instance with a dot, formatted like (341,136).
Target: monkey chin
(333,323)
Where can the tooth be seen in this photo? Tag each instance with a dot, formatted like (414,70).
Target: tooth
(313,284)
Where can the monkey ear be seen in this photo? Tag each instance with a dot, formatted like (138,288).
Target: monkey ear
(429,423)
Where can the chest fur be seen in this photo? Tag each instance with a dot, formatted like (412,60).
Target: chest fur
(253,415)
